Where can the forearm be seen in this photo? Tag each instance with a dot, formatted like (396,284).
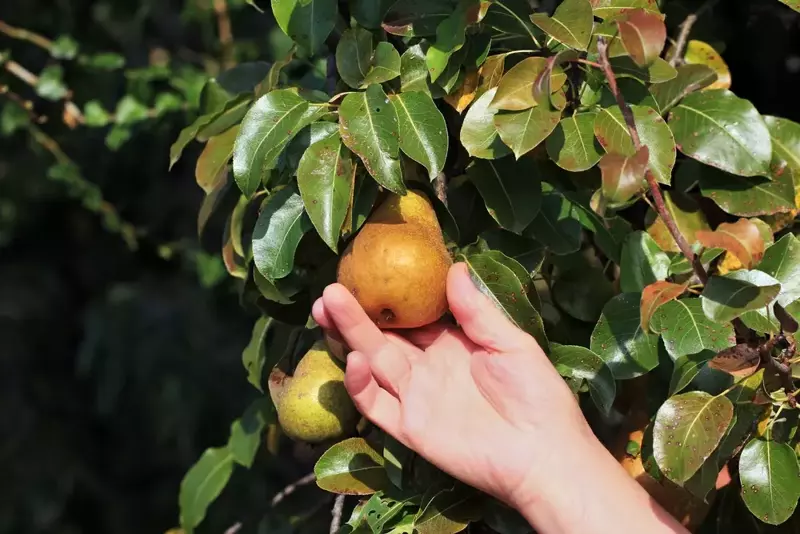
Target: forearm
(590,493)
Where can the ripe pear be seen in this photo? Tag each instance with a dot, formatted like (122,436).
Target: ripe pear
(314,406)
(396,267)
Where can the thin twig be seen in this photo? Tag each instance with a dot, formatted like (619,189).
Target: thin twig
(587,62)
(655,190)
(336,512)
(72,113)
(225,33)
(676,52)
(233,529)
(291,488)
(26,35)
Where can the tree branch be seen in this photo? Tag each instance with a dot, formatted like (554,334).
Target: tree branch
(225,33)
(26,35)
(676,52)
(336,512)
(655,190)
(72,114)
(291,488)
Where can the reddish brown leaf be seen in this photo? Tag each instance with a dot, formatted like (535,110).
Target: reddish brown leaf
(623,175)
(656,295)
(742,238)
(643,35)
(739,361)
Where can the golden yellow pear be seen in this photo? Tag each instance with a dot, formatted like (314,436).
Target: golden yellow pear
(396,267)
(314,405)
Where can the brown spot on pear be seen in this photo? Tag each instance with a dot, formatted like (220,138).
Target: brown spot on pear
(397,265)
(314,406)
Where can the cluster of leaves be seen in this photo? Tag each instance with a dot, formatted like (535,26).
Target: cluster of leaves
(516,117)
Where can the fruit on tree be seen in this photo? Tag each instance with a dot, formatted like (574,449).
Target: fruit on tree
(314,406)
(397,265)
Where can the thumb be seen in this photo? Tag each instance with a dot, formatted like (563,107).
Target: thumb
(484,323)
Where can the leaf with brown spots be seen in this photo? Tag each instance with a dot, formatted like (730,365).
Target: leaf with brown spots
(741,360)
(685,329)
(742,238)
(701,53)
(770,480)
(623,176)
(656,295)
(687,429)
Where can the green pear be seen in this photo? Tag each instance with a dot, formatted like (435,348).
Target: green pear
(314,405)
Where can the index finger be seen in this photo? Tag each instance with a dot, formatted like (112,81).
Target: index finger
(352,322)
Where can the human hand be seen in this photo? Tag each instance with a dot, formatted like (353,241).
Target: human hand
(483,403)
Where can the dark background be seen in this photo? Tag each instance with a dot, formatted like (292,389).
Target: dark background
(118,367)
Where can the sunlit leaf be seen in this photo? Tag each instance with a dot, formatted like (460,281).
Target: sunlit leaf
(619,338)
(727,297)
(643,34)
(785,136)
(573,145)
(656,295)
(214,158)
(368,125)
(583,364)
(687,429)
(247,431)
(280,226)
(690,78)
(202,484)
(687,216)
(515,90)
(686,329)
(739,361)
(479,133)
(623,176)
(782,262)
(525,130)
(686,368)
(422,129)
(449,39)
(741,238)
(254,353)
(351,467)
(571,24)
(724,131)
(384,65)
(445,511)
(770,480)
(642,263)
(612,132)
(701,53)
(610,8)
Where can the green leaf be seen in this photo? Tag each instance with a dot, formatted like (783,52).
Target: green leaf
(365,193)
(527,252)
(104,61)
(385,64)
(325,178)
(794,4)
(724,131)
(382,510)
(353,56)
(449,39)
(499,282)
(686,368)
(605,9)
(687,216)
(608,242)
(279,228)
(351,467)
(571,24)
(202,484)
(583,364)
(515,90)
(623,177)
(611,131)
(254,354)
(213,161)
(307,22)
(95,114)
(246,432)
(557,225)
(621,341)
(396,456)
(50,84)
(727,297)
(65,47)
(423,131)
(770,480)
(244,77)
(368,125)
(370,13)
(14,118)
(680,265)
(478,132)
(642,263)
(446,511)
(573,145)
(582,293)
(687,330)
(504,519)
(687,429)
(525,130)
(658,72)
(417,18)
(235,107)
(785,136)
(690,78)
(782,262)
(267,128)
(414,74)
(746,197)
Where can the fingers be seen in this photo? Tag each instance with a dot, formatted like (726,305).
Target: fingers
(373,402)
(320,315)
(480,319)
(441,337)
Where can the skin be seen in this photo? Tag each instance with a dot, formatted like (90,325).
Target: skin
(483,403)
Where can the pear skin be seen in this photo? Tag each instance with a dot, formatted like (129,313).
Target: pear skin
(396,267)
(315,406)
